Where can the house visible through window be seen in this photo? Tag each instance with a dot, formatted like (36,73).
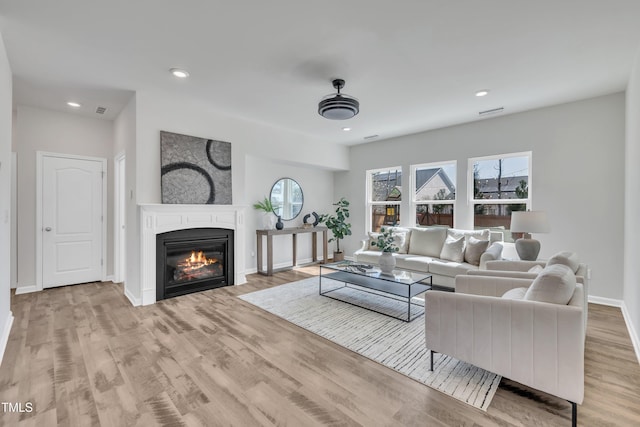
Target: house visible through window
(384,195)
(500,185)
(434,193)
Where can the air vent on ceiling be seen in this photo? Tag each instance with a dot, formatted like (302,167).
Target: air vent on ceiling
(494,111)
(371,136)
(101,110)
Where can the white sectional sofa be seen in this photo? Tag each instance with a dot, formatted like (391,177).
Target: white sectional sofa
(442,252)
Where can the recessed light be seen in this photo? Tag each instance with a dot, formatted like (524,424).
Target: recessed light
(74,104)
(181,74)
(346,129)
(483,92)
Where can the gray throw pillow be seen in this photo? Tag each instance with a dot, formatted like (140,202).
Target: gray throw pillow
(474,250)
(555,284)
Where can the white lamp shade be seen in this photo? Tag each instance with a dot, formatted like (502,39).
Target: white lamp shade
(529,222)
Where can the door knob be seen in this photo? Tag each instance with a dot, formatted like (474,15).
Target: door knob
(47,229)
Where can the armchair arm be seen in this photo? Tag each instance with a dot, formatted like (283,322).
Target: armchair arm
(505,265)
(364,245)
(537,344)
(493,252)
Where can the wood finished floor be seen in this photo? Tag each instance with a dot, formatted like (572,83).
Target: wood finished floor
(82,355)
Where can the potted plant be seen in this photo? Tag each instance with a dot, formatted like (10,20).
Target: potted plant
(268,220)
(338,225)
(386,242)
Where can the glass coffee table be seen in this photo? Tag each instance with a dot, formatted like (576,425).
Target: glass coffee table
(400,285)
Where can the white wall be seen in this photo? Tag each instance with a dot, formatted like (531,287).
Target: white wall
(57,132)
(156,112)
(317,188)
(6,317)
(631,305)
(578,176)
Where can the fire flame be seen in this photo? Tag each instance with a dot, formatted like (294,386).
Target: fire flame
(197,260)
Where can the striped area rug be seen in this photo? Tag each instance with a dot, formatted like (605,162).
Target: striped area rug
(394,343)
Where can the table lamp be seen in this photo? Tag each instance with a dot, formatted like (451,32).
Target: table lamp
(528,222)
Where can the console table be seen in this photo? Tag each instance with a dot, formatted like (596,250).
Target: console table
(294,233)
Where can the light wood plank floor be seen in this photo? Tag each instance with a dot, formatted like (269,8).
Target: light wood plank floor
(82,355)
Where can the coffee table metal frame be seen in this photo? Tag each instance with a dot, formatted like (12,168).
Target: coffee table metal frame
(400,285)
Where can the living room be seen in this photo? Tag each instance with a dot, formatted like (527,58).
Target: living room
(582,155)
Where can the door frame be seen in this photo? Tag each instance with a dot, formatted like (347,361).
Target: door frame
(40,155)
(119,202)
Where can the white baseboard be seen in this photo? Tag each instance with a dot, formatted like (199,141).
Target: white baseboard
(635,338)
(109,279)
(133,300)
(4,339)
(605,301)
(26,289)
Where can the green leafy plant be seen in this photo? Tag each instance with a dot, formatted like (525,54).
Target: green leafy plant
(338,223)
(385,241)
(264,205)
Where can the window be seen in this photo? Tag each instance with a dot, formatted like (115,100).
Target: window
(384,195)
(499,185)
(434,193)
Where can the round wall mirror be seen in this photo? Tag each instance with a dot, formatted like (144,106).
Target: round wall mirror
(287,199)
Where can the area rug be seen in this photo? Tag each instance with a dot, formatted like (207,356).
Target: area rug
(393,343)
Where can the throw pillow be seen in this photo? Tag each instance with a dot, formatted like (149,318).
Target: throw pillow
(399,238)
(570,259)
(515,293)
(474,250)
(555,284)
(427,241)
(535,269)
(453,249)
(478,234)
(372,238)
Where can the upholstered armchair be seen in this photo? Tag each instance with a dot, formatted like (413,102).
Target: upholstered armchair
(532,334)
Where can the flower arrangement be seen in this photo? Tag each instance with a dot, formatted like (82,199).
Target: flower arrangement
(385,241)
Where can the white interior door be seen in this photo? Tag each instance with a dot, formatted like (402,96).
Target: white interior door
(72,219)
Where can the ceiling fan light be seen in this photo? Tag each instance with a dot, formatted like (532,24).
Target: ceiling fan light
(338,106)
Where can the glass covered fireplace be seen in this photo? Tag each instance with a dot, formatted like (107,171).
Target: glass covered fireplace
(193,260)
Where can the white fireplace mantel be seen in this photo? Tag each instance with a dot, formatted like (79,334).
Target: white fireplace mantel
(156,219)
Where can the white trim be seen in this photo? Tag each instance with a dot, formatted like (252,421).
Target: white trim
(109,278)
(605,301)
(26,289)
(132,299)
(635,338)
(4,339)
(40,155)
(14,221)
(118,270)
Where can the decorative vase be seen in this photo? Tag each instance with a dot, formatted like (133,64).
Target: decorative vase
(268,221)
(387,262)
(279,224)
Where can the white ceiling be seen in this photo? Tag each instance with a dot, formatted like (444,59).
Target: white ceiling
(414,65)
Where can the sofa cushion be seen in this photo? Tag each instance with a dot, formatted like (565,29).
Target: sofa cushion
(368,257)
(570,259)
(449,268)
(453,249)
(555,284)
(474,250)
(427,241)
(515,293)
(412,262)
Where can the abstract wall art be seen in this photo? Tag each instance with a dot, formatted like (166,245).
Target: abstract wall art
(195,171)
